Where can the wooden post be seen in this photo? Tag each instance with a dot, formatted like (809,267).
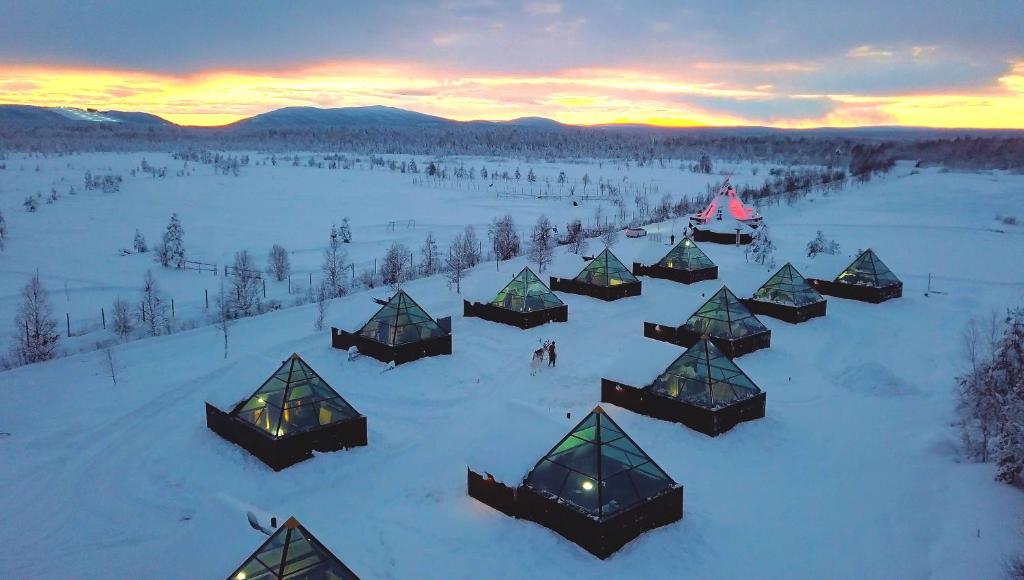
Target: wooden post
(264,287)
(172,307)
(68,315)
(289,284)
(206,292)
(103,315)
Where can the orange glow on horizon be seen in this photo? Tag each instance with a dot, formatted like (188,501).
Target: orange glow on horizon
(578,97)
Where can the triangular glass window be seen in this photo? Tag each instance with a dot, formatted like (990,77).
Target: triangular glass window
(686,256)
(787,287)
(868,270)
(293,400)
(598,469)
(401,321)
(705,377)
(526,293)
(292,553)
(606,270)
(724,316)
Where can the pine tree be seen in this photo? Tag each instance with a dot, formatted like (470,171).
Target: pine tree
(35,330)
(173,249)
(139,243)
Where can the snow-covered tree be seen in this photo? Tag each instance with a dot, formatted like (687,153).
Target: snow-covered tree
(761,249)
(171,252)
(540,250)
(223,317)
(504,237)
(35,330)
(821,245)
(457,262)
(244,299)
(121,318)
(574,237)
(610,236)
(139,243)
(322,295)
(334,265)
(430,258)
(3,231)
(345,231)
(396,268)
(152,307)
(472,246)
(278,264)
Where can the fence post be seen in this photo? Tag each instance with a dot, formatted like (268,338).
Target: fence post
(206,292)
(68,315)
(264,287)
(311,280)
(289,284)
(103,315)
(172,307)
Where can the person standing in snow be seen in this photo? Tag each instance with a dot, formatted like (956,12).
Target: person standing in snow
(672,240)
(551,354)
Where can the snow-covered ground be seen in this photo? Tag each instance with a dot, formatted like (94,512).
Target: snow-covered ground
(75,242)
(853,473)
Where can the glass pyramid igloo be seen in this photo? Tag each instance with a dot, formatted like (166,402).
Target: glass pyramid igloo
(292,553)
(686,255)
(293,400)
(787,287)
(606,270)
(868,270)
(598,469)
(724,316)
(705,377)
(401,321)
(526,293)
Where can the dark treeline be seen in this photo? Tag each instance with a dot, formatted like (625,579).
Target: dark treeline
(640,146)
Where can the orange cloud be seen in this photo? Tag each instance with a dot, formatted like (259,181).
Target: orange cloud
(579,96)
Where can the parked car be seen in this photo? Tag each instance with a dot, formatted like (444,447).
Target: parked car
(635,232)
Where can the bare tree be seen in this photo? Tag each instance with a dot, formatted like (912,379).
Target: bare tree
(245,286)
(278,264)
(121,318)
(575,238)
(152,309)
(109,363)
(223,319)
(542,240)
(35,330)
(504,237)
(396,267)
(334,265)
(610,237)
(472,246)
(456,264)
(322,295)
(430,259)
(3,231)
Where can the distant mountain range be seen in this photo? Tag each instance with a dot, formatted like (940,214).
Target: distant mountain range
(379,116)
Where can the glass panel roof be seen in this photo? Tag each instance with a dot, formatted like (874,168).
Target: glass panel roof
(294,399)
(598,469)
(606,270)
(401,321)
(868,270)
(789,288)
(724,316)
(705,377)
(686,256)
(292,553)
(526,293)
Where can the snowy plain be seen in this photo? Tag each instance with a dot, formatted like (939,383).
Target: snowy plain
(853,473)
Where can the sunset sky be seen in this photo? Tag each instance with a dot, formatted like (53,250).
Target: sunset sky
(786,63)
